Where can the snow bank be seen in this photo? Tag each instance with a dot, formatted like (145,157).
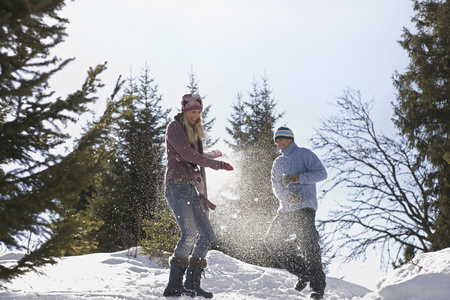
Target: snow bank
(115,276)
(426,277)
(105,276)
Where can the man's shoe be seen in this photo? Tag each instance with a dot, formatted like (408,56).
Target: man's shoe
(316,295)
(301,284)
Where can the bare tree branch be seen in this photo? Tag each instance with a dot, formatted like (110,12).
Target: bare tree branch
(389,204)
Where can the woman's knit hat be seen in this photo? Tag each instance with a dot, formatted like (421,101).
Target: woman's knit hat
(191,102)
(283,132)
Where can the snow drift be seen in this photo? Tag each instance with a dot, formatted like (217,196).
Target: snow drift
(115,276)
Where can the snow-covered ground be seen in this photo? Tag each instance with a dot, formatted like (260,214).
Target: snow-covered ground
(115,276)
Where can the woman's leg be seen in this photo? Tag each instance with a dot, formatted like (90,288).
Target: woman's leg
(205,231)
(180,197)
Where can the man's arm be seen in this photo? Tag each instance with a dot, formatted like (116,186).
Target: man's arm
(276,178)
(316,171)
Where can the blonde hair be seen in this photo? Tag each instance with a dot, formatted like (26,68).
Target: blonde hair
(193,133)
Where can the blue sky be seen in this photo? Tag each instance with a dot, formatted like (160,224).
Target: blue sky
(310,50)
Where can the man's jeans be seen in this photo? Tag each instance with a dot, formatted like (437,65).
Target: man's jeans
(192,220)
(293,241)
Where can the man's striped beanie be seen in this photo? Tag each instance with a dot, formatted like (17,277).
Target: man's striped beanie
(283,132)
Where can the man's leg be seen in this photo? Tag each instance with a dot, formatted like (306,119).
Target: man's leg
(279,246)
(309,244)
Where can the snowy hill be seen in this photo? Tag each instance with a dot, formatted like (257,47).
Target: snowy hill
(115,276)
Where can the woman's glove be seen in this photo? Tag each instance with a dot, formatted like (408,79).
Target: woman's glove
(226,166)
(289,179)
(214,154)
(293,199)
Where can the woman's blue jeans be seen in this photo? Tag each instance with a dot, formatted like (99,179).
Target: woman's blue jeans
(191,218)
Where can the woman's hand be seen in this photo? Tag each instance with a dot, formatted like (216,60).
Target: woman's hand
(226,166)
(215,154)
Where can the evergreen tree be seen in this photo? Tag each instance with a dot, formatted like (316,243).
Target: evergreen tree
(30,29)
(422,110)
(241,224)
(132,190)
(39,182)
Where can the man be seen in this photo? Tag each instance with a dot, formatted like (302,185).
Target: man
(292,239)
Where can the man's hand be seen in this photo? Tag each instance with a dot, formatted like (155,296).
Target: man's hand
(294,200)
(289,179)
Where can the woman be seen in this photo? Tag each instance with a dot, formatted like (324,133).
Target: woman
(185,193)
